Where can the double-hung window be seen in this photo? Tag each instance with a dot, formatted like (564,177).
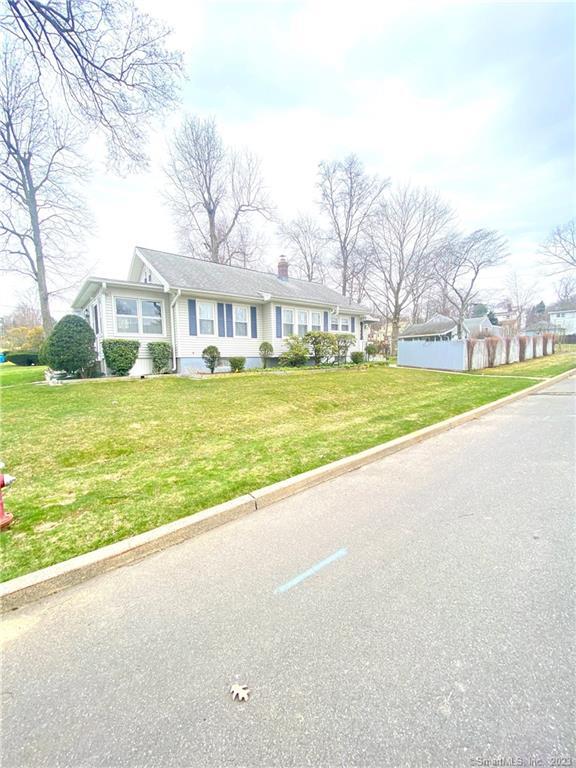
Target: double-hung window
(206,318)
(345,324)
(316,321)
(287,322)
(137,316)
(241,321)
(334,323)
(151,317)
(127,316)
(302,322)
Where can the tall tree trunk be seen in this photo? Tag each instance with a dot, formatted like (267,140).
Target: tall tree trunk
(40,266)
(395,331)
(214,244)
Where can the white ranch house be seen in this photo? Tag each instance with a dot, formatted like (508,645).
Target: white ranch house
(193,303)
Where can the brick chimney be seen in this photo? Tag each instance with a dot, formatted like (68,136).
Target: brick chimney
(283,268)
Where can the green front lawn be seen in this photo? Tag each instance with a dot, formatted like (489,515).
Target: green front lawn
(99,461)
(541,367)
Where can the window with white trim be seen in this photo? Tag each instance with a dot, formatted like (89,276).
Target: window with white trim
(287,322)
(344,324)
(206,318)
(127,315)
(334,323)
(141,316)
(151,317)
(241,321)
(316,321)
(302,322)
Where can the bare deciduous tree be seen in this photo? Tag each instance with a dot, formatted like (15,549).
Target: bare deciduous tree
(559,249)
(407,232)
(464,258)
(520,296)
(348,199)
(214,191)
(109,59)
(306,243)
(566,289)
(41,216)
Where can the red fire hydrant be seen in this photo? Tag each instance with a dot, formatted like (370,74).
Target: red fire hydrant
(5,517)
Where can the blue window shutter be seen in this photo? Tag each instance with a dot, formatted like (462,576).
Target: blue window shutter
(361,330)
(229,325)
(192,317)
(325,321)
(278,322)
(353,324)
(254,322)
(221,326)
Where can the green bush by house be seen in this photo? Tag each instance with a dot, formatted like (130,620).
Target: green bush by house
(120,355)
(211,357)
(322,346)
(296,354)
(357,357)
(266,350)
(161,354)
(70,346)
(237,364)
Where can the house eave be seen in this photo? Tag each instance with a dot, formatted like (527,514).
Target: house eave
(92,285)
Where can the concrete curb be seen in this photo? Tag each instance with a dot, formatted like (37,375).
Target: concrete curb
(38,584)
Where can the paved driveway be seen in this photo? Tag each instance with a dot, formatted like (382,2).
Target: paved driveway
(419,611)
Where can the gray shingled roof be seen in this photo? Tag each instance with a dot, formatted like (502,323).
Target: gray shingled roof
(437,326)
(194,274)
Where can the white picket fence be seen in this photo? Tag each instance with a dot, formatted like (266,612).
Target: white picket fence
(453,355)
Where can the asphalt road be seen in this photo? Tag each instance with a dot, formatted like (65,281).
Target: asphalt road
(419,611)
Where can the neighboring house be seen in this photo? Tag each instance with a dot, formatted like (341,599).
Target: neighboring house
(193,304)
(563,318)
(443,328)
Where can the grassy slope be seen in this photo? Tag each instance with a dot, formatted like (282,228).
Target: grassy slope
(100,461)
(541,367)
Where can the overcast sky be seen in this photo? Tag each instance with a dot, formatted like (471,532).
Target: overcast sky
(474,100)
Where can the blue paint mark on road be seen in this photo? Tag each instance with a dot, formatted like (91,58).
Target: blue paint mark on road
(311,571)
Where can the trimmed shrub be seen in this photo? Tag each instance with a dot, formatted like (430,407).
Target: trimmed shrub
(470,344)
(491,348)
(120,355)
(266,350)
(297,353)
(370,350)
(343,343)
(357,357)
(70,346)
(211,357)
(321,344)
(161,354)
(237,364)
(22,358)
(522,342)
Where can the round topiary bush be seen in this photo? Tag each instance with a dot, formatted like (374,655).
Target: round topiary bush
(357,357)
(211,357)
(120,355)
(70,346)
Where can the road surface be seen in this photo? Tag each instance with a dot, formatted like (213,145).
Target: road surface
(419,611)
